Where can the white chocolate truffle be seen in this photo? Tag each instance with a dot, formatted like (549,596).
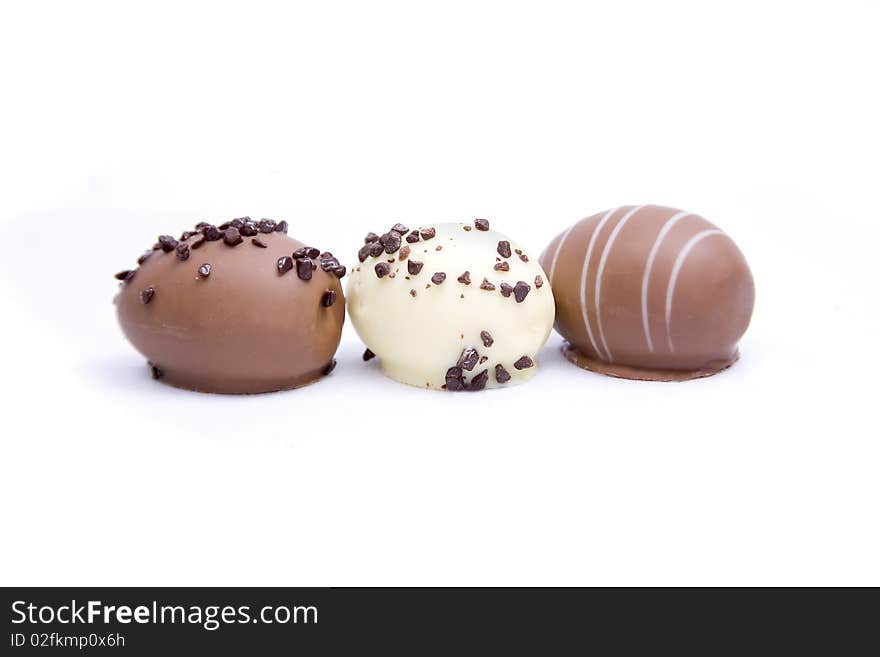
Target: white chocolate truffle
(451,306)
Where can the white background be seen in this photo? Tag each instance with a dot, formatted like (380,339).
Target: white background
(119,122)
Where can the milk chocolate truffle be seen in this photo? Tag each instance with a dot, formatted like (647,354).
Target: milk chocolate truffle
(235,308)
(648,292)
(450,306)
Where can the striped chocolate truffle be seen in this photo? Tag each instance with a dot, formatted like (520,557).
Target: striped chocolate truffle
(649,292)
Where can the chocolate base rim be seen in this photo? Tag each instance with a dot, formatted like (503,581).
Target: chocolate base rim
(168,378)
(618,371)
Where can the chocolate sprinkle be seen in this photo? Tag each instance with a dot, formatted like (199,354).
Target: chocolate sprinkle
(487,338)
(281,227)
(428,233)
(125,276)
(146,254)
(414,266)
(438,278)
(502,266)
(182,251)
(198,242)
(205,270)
(304,269)
(330,367)
(504,249)
(412,293)
(465,278)
(284,264)
(368,355)
(506,290)
(300,253)
(481,224)
(328,298)
(146,295)
(339,272)
(486,285)
(266,226)
(376,249)
(155,371)
(539,282)
(501,374)
(370,238)
(232,237)
(523,257)
(468,359)
(382,269)
(524,363)
(413,237)
(521,291)
(256,241)
(404,252)
(312,252)
(212,233)
(364,252)
(479,381)
(399,228)
(248,230)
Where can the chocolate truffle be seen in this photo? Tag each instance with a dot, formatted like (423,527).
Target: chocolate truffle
(649,292)
(234,316)
(438,312)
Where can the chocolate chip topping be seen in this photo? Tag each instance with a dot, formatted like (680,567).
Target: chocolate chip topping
(454,379)
(197,243)
(205,270)
(212,233)
(284,264)
(521,291)
(304,269)
(339,272)
(438,278)
(412,293)
(392,244)
(147,294)
(146,254)
(468,359)
(479,381)
(399,228)
(414,267)
(248,230)
(328,298)
(376,249)
(501,374)
(404,252)
(330,367)
(539,282)
(370,238)
(182,251)
(266,226)
(231,236)
(364,252)
(504,249)
(413,237)
(523,257)
(155,372)
(382,269)
(368,355)
(481,224)
(487,338)
(506,290)
(281,227)
(524,363)
(300,252)
(256,241)
(428,233)
(502,266)
(167,243)
(125,275)
(486,285)
(465,278)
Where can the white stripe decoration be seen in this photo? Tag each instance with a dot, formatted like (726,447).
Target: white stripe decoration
(589,255)
(565,235)
(602,262)
(676,269)
(664,231)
